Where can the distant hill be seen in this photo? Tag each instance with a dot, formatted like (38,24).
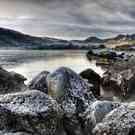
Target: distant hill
(122,37)
(13,39)
(121,41)
(94,40)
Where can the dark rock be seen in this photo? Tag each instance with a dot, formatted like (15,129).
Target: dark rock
(94,79)
(31,111)
(94,40)
(108,54)
(110,86)
(107,57)
(96,112)
(74,95)
(119,81)
(120,121)
(39,82)
(11,82)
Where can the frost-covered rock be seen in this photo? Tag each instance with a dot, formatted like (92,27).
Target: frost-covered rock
(96,112)
(11,82)
(66,83)
(120,121)
(39,82)
(73,94)
(30,111)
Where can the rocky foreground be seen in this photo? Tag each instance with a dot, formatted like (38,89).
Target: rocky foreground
(67,103)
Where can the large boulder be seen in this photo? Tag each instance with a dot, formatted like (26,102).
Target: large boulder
(31,111)
(74,96)
(11,82)
(110,87)
(39,82)
(94,79)
(120,121)
(96,112)
(66,83)
(120,84)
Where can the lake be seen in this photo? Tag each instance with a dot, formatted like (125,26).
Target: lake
(31,62)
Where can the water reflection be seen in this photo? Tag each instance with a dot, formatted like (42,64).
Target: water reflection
(30,63)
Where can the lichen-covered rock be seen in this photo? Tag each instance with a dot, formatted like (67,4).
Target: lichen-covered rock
(66,83)
(11,82)
(96,112)
(31,111)
(120,121)
(94,79)
(73,94)
(39,82)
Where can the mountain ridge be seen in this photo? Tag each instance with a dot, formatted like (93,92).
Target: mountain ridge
(11,38)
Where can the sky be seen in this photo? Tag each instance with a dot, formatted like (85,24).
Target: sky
(69,19)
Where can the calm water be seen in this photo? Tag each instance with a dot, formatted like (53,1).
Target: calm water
(31,62)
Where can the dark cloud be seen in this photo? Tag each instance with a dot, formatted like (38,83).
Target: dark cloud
(69,18)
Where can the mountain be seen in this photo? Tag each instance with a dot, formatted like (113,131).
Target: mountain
(13,39)
(121,37)
(94,40)
(121,42)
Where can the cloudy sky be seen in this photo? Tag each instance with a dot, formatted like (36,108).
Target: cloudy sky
(69,19)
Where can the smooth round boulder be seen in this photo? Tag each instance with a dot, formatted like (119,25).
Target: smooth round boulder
(39,82)
(94,79)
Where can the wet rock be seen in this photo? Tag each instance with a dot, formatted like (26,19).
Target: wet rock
(94,79)
(18,77)
(120,121)
(11,82)
(107,54)
(111,87)
(31,111)
(74,96)
(39,82)
(96,112)
(120,84)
